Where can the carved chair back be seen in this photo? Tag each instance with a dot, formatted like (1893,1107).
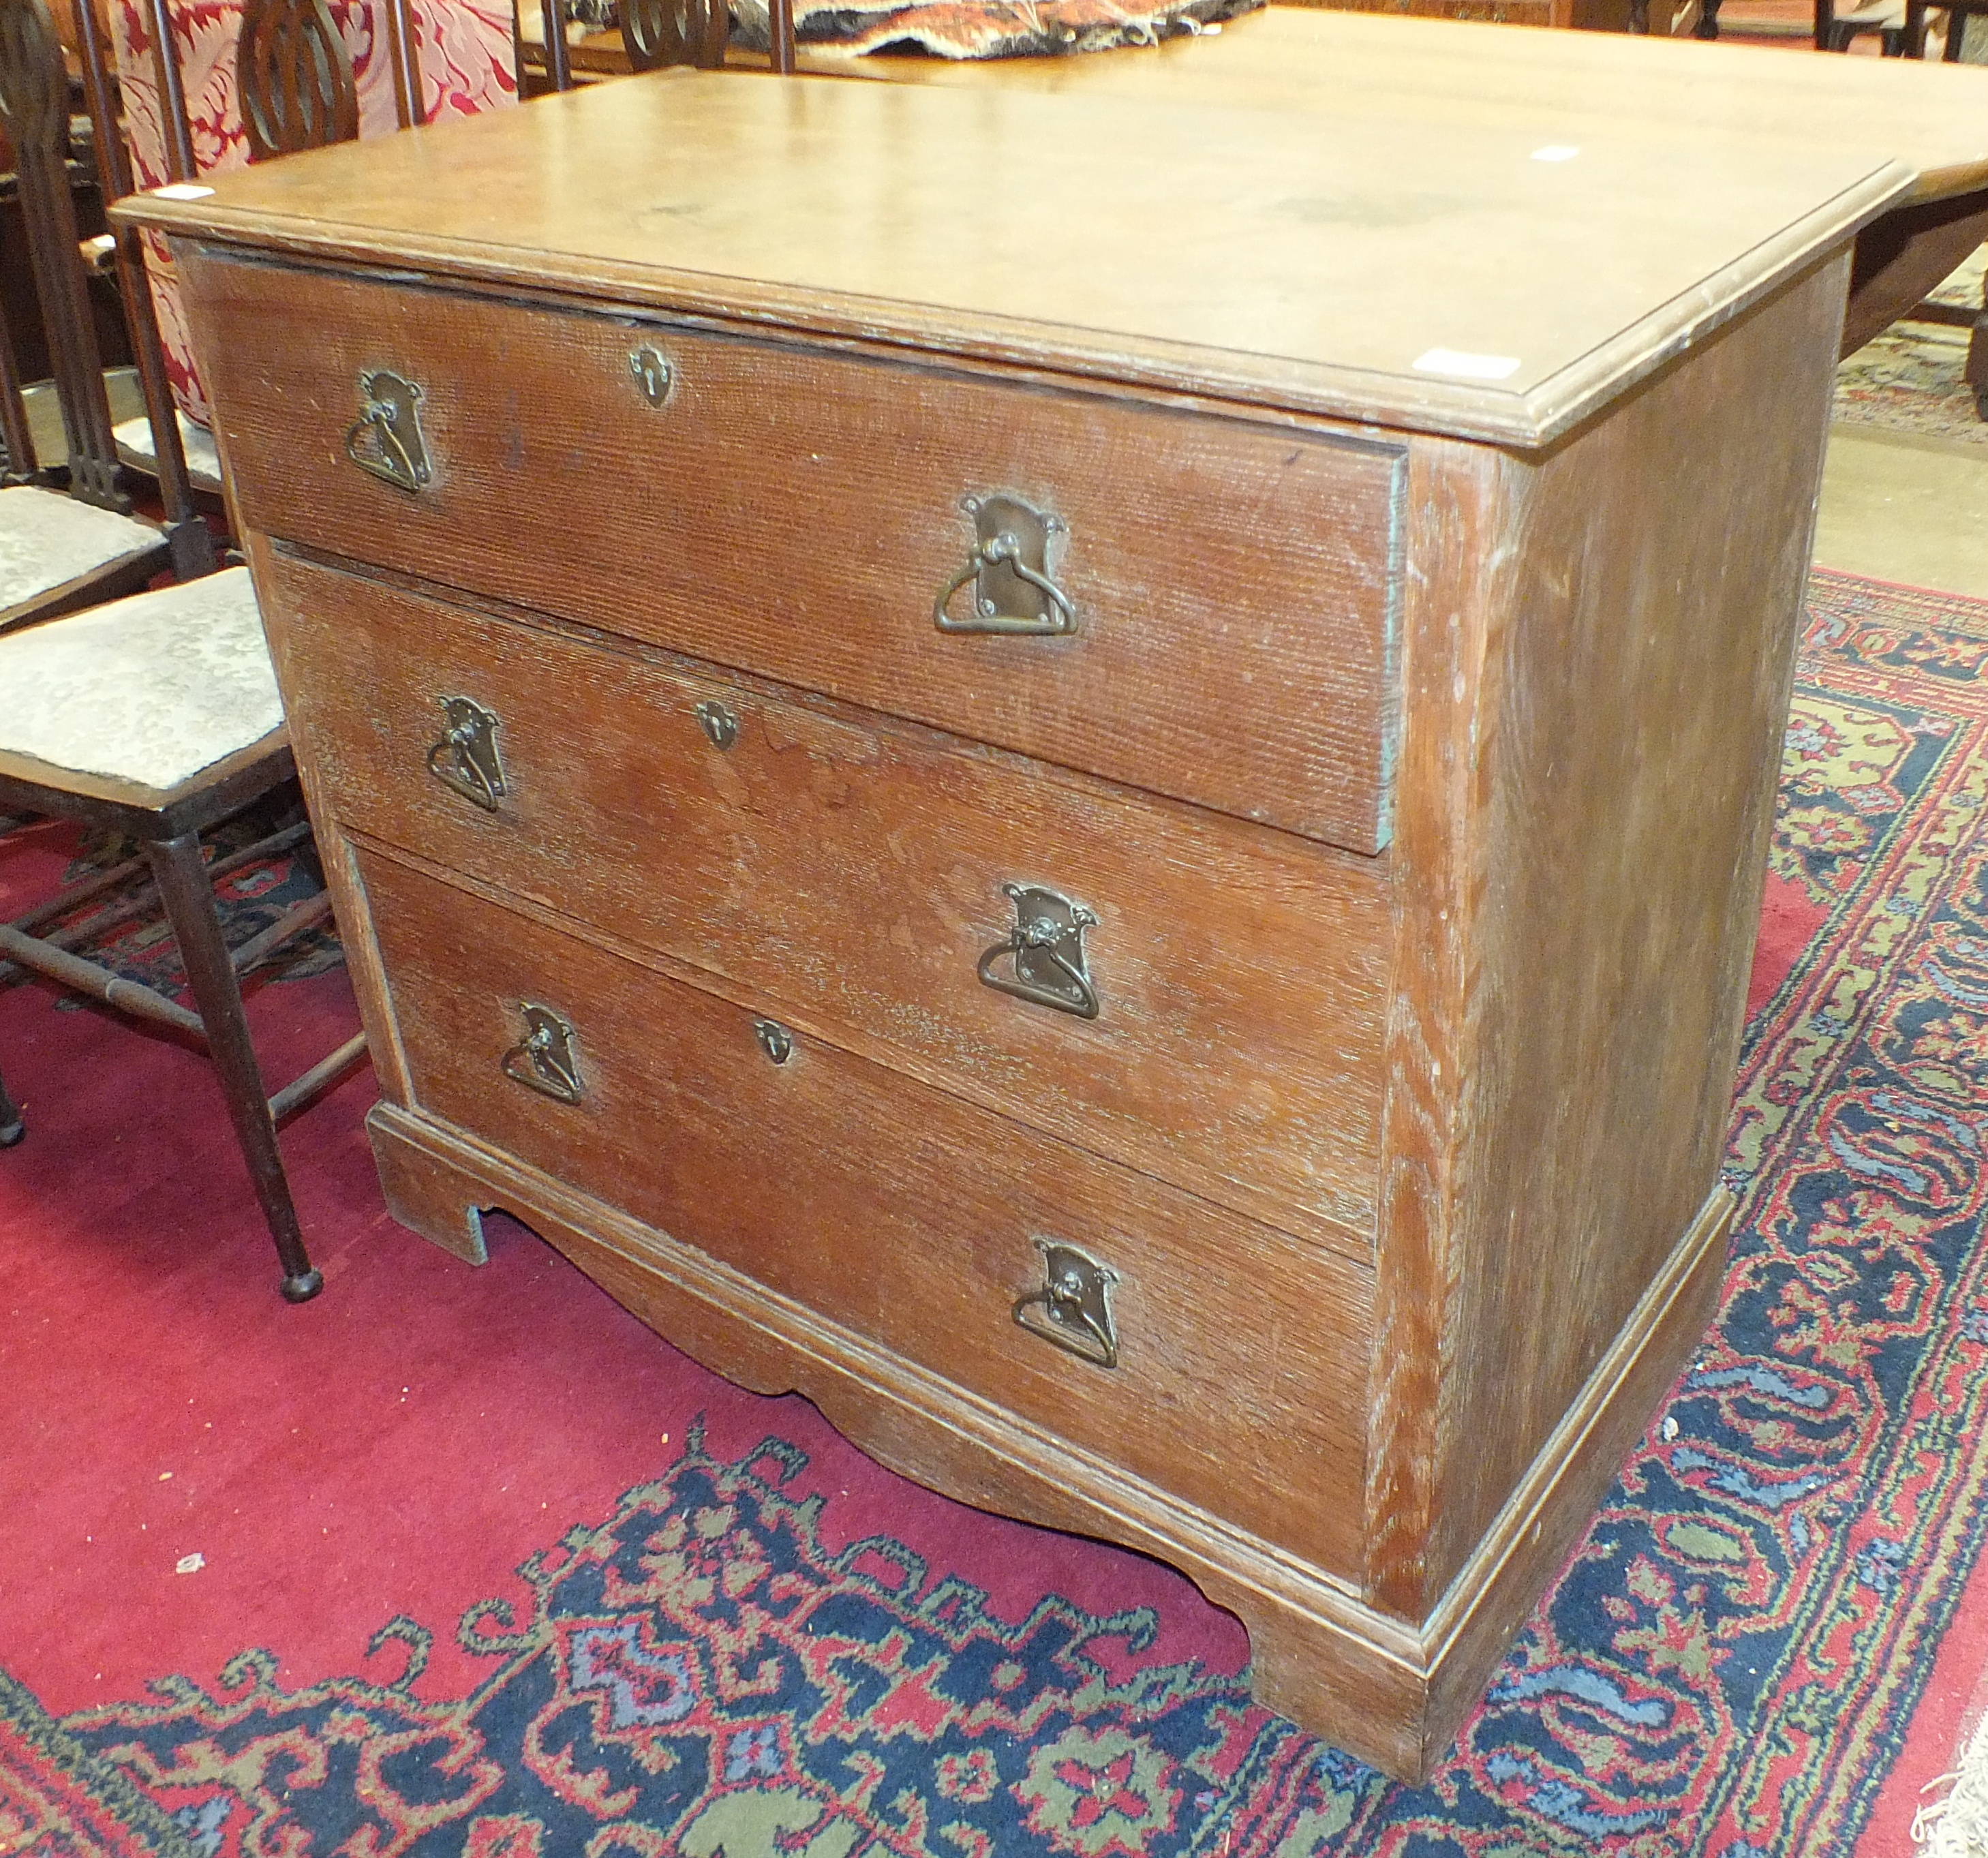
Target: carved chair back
(294,79)
(293,74)
(34,114)
(659,33)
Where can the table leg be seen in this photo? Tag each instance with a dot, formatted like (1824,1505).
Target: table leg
(1977,355)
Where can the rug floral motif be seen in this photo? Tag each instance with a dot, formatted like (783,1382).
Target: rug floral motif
(1913,378)
(1727,1666)
(249,900)
(58,1802)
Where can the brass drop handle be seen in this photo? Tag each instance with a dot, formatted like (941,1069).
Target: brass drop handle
(465,759)
(1009,567)
(544,1059)
(1044,952)
(1073,1308)
(386,439)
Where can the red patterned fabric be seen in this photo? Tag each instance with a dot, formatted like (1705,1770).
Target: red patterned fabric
(468,67)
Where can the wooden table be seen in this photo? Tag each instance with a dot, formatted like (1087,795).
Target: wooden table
(1562,87)
(1568,87)
(1223,1039)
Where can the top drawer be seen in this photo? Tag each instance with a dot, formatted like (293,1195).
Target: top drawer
(799,513)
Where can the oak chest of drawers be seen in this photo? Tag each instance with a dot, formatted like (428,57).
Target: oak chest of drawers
(1104,807)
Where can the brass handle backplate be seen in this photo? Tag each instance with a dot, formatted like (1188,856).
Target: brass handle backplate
(466,758)
(1044,953)
(386,439)
(1010,568)
(1073,1308)
(545,1059)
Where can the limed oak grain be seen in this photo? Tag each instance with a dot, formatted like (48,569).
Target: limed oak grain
(1460,691)
(799,515)
(772,1167)
(845,873)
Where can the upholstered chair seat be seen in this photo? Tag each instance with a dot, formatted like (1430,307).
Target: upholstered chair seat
(149,689)
(47,540)
(203,458)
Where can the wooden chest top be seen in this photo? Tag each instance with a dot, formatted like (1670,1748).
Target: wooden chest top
(1481,280)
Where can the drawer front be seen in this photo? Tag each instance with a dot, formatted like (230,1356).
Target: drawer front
(900,1214)
(799,514)
(848,874)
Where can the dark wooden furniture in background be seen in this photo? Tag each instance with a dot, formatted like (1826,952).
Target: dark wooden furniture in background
(1898,36)
(1138,873)
(655,33)
(1958,14)
(139,638)
(82,559)
(652,34)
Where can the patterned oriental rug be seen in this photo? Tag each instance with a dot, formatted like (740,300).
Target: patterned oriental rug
(466,1563)
(1913,378)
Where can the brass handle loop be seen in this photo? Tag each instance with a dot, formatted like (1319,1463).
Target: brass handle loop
(465,759)
(1046,948)
(1009,561)
(1073,1308)
(389,412)
(544,1059)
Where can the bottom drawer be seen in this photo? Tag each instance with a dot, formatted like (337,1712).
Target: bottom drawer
(918,1221)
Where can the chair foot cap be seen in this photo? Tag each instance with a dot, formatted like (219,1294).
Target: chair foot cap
(11,1132)
(302,1289)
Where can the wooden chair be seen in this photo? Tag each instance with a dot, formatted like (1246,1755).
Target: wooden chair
(658,32)
(1958,14)
(155,716)
(1896,36)
(655,33)
(63,549)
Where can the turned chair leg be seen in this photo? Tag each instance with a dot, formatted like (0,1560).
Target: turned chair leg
(12,1126)
(188,896)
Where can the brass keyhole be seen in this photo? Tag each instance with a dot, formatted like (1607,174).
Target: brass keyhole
(653,374)
(719,723)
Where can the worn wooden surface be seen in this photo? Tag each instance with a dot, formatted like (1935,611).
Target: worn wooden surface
(799,516)
(1317,1651)
(1554,88)
(773,1168)
(1598,860)
(1255,277)
(845,874)
(1400,1121)
(1527,1543)
(1562,92)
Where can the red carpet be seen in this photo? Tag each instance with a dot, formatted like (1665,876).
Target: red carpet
(399,1446)
(1728,1666)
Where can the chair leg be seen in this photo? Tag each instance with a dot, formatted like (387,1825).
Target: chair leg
(13,1126)
(188,895)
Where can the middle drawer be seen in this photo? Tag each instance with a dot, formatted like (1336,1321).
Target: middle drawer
(868,880)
